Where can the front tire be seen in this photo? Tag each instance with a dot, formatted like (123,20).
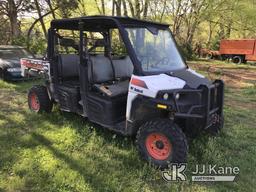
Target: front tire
(38,99)
(162,142)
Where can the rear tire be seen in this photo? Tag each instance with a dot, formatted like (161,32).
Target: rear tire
(38,99)
(162,142)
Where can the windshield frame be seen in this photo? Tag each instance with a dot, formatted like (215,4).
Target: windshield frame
(175,45)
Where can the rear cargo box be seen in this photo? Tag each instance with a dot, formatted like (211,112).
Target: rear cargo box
(237,47)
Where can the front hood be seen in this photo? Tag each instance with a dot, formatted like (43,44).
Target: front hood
(9,63)
(151,85)
(192,78)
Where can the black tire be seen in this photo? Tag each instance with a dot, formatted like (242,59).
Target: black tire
(209,56)
(237,59)
(38,99)
(222,57)
(172,134)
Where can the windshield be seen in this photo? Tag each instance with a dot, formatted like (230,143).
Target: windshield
(155,49)
(13,53)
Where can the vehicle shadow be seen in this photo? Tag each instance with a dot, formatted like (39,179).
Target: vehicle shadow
(96,182)
(29,125)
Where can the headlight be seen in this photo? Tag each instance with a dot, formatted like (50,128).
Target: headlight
(165,96)
(12,70)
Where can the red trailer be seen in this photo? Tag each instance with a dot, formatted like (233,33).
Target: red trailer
(239,51)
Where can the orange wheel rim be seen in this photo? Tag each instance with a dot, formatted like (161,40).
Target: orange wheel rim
(34,103)
(158,146)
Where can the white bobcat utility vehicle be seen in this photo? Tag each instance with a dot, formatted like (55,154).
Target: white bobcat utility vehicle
(127,75)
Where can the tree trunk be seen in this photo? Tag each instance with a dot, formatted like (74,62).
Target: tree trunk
(51,8)
(118,7)
(13,16)
(103,7)
(131,8)
(229,29)
(163,11)
(99,10)
(125,8)
(210,35)
(137,8)
(113,7)
(145,9)
(41,18)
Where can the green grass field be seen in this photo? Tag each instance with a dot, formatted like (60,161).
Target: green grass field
(63,152)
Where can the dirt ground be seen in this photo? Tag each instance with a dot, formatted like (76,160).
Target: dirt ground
(244,77)
(236,77)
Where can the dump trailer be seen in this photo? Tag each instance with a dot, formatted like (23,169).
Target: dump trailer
(240,51)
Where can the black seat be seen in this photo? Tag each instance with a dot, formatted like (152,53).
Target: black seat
(123,67)
(103,78)
(69,69)
(100,73)
(100,69)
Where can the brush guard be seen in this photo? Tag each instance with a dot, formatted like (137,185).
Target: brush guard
(210,109)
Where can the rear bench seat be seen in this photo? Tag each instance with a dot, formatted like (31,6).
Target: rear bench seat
(100,73)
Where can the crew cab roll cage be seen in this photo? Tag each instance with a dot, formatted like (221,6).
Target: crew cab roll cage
(97,24)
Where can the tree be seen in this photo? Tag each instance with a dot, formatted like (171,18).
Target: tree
(66,7)
(49,2)
(3,30)
(11,9)
(39,11)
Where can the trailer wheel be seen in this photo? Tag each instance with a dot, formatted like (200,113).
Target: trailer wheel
(38,99)
(223,57)
(237,59)
(162,142)
(209,56)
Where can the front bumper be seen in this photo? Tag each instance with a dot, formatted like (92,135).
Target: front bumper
(212,100)
(203,103)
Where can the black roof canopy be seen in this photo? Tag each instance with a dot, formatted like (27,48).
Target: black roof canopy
(99,23)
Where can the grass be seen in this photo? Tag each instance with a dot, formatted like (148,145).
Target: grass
(63,152)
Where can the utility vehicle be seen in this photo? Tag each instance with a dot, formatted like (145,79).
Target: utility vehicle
(127,75)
